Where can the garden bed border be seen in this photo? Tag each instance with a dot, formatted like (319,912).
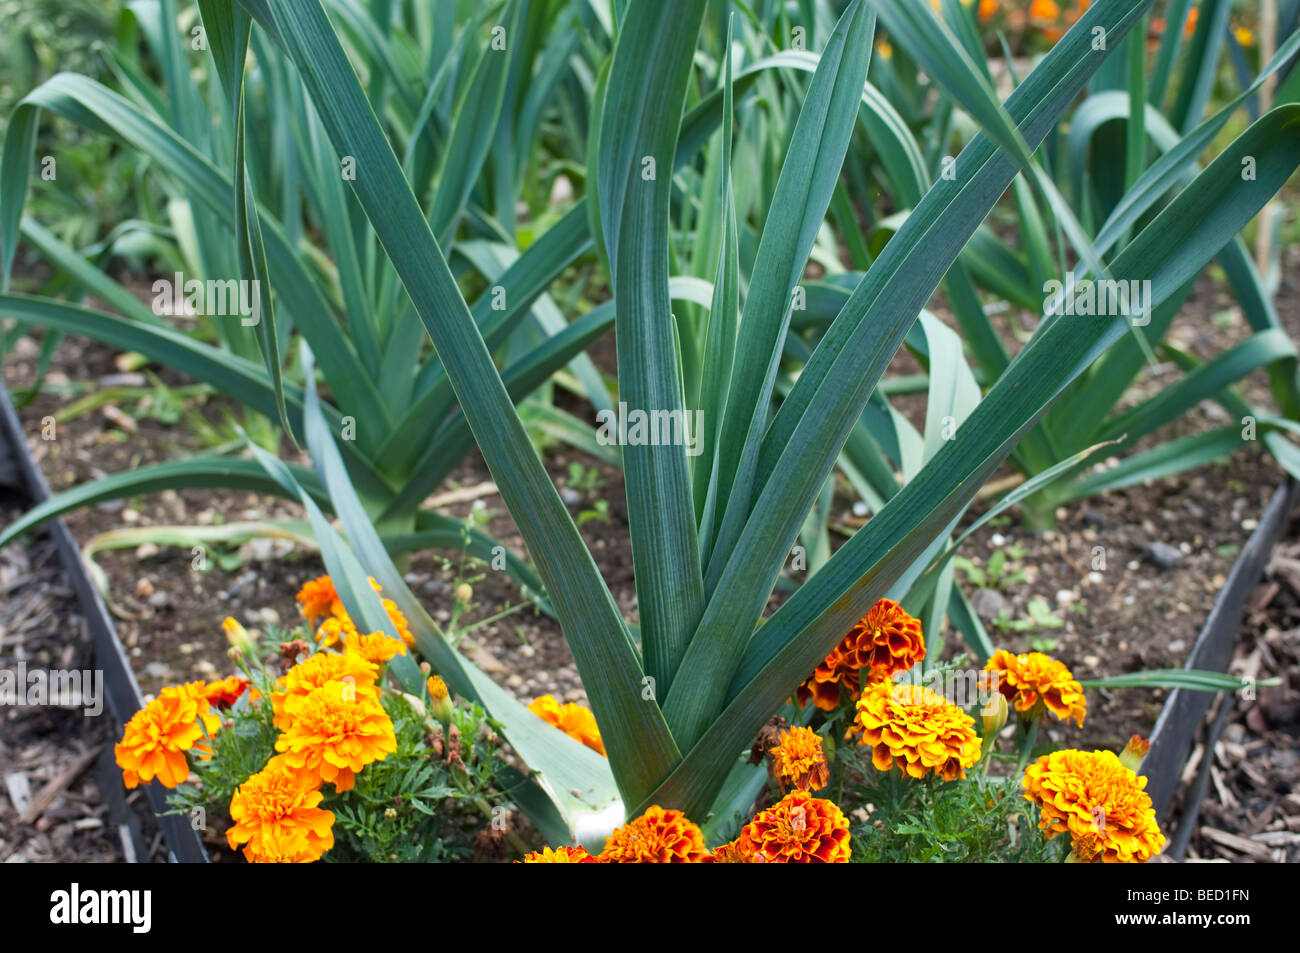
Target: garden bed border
(121,688)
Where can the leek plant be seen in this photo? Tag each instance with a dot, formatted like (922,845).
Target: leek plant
(1135,136)
(679,697)
(474,118)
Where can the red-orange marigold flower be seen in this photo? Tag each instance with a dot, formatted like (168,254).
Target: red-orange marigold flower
(558,855)
(798,761)
(226,692)
(1101,804)
(1027,680)
(916,729)
(883,642)
(799,829)
(658,836)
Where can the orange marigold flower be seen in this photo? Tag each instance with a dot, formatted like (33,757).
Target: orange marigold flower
(156,738)
(574,720)
(916,729)
(226,692)
(1101,804)
(318,598)
(559,855)
(335,732)
(1036,683)
(277,817)
(658,836)
(377,647)
(883,642)
(799,829)
(315,671)
(798,760)
(987,10)
(1044,10)
(399,622)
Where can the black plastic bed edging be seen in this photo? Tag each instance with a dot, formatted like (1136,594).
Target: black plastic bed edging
(123,693)
(1184,711)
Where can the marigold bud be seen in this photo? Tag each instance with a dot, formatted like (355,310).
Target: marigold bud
(1133,753)
(464,593)
(994,714)
(442,706)
(238,636)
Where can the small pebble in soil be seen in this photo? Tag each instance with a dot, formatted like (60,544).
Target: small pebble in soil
(1164,555)
(570,496)
(988,603)
(861,510)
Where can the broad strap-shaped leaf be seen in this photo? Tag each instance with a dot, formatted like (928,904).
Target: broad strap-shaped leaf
(834,387)
(803,193)
(642,751)
(637,140)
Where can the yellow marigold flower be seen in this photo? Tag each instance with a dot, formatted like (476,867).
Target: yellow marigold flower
(798,760)
(315,671)
(560,855)
(915,728)
(377,647)
(574,720)
(800,829)
(332,632)
(658,836)
(1101,804)
(277,817)
(157,736)
(1028,680)
(336,732)
(1245,36)
(883,642)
